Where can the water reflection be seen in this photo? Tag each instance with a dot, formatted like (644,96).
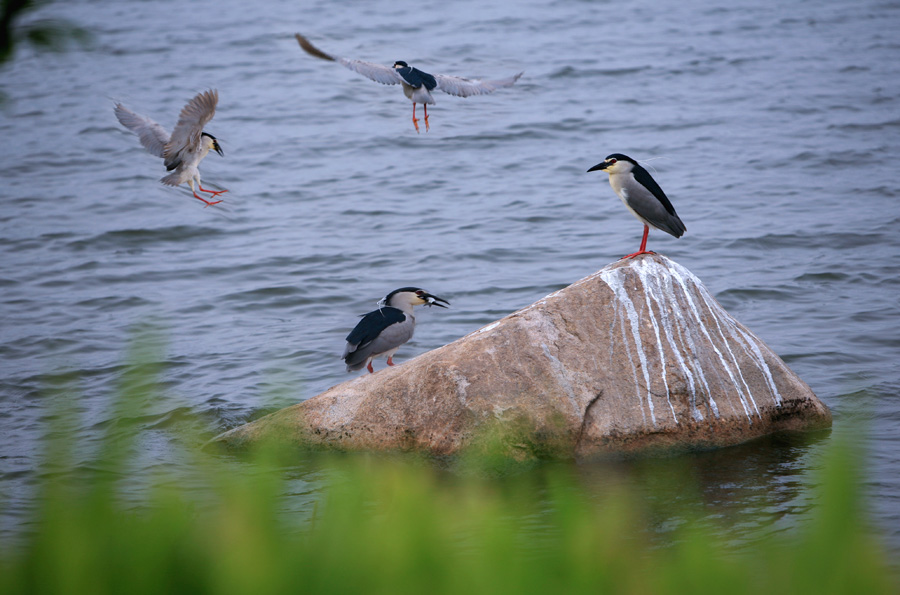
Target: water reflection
(741,490)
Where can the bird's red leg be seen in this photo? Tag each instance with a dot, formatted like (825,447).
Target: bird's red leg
(390,360)
(369,368)
(643,249)
(425,107)
(198,197)
(215,193)
(415,120)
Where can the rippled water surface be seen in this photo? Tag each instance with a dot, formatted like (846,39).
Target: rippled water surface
(773,127)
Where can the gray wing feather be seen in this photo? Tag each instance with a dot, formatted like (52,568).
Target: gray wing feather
(461,87)
(379,73)
(194,116)
(385,75)
(393,336)
(390,338)
(152,136)
(653,211)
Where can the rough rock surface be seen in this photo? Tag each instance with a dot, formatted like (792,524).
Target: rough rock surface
(638,356)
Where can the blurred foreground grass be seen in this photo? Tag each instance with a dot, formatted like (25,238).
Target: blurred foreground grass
(399,524)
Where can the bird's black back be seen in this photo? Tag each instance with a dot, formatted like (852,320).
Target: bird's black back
(373,323)
(416,78)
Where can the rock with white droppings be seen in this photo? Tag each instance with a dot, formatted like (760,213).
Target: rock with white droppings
(638,356)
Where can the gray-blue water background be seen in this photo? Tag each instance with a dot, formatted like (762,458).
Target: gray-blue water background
(774,127)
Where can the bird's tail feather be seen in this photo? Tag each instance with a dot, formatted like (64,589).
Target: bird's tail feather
(353,366)
(173,179)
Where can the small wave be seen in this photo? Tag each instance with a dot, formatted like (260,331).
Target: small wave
(572,72)
(138,238)
(865,126)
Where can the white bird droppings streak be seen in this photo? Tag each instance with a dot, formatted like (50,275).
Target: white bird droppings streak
(718,313)
(663,287)
(637,385)
(610,277)
(686,333)
(679,274)
(552,295)
(487,328)
(649,298)
(761,362)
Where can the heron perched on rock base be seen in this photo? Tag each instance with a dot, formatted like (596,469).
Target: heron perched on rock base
(381,332)
(643,197)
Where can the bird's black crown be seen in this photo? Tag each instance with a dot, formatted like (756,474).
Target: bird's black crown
(621,157)
(388,297)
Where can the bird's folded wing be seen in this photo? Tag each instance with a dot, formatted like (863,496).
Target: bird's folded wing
(195,115)
(654,209)
(373,324)
(152,136)
(392,337)
(377,72)
(461,87)
(646,180)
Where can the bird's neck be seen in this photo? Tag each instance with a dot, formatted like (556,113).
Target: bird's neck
(617,181)
(404,307)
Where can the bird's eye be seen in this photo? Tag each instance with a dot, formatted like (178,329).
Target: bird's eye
(611,161)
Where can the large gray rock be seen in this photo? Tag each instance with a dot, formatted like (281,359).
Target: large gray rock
(638,356)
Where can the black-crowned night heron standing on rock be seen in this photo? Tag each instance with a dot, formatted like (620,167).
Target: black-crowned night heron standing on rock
(643,197)
(417,85)
(381,332)
(186,147)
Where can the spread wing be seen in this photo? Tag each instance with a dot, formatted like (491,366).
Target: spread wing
(186,136)
(153,137)
(379,73)
(461,87)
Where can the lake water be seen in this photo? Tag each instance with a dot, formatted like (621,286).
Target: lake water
(773,127)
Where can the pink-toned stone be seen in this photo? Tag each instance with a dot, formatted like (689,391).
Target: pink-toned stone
(638,356)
